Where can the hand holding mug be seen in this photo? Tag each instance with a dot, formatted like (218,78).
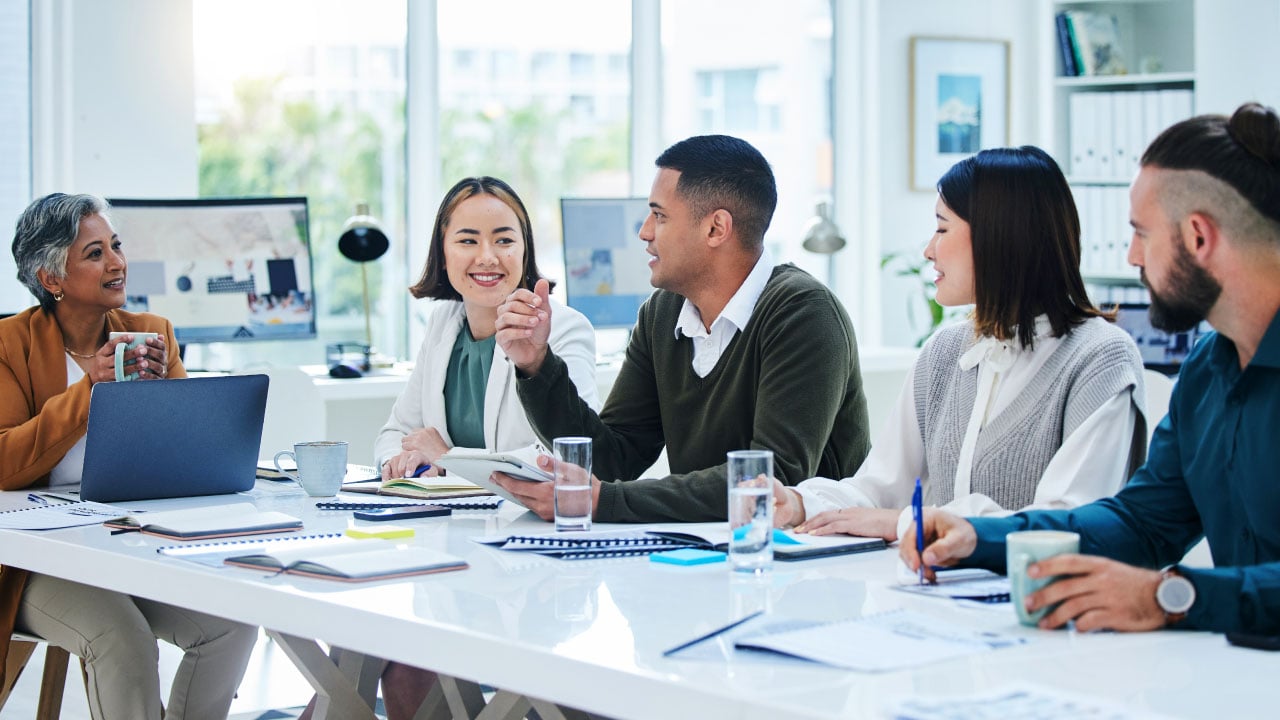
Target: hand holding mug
(138,356)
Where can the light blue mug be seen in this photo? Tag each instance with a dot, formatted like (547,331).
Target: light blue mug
(1027,548)
(124,351)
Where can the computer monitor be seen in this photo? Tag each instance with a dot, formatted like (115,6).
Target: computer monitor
(607,276)
(227,269)
(1161,351)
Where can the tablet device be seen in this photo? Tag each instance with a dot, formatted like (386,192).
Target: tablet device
(477,467)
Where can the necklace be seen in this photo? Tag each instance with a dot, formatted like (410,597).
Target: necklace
(75,354)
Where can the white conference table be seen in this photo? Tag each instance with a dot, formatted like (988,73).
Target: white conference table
(590,634)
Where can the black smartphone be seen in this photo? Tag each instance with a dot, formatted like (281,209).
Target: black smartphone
(1257,642)
(403,513)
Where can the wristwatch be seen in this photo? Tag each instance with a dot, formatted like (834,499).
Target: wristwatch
(1175,595)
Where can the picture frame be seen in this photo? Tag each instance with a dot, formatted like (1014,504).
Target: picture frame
(959,102)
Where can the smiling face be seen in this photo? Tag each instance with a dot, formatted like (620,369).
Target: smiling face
(96,267)
(951,251)
(672,236)
(484,251)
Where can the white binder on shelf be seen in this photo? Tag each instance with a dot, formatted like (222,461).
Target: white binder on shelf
(1104,132)
(1082,155)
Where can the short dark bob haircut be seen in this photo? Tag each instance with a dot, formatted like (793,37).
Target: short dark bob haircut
(435,281)
(1026,242)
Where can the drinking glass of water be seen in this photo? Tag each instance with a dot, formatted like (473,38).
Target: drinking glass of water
(573,483)
(751,510)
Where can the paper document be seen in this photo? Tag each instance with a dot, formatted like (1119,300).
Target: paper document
(887,641)
(1025,701)
(53,517)
(980,586)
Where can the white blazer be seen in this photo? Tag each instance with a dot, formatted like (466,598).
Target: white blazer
(421,404)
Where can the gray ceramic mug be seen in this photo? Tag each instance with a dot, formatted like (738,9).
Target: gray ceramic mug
(321,466)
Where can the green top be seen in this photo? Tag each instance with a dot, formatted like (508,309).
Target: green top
(789,382)
(464,385)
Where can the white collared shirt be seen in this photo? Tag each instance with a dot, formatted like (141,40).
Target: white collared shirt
(1092,461)
(708,346)
(69,469)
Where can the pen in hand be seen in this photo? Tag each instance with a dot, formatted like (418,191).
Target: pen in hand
(917,514)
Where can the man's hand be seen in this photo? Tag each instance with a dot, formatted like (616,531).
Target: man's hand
(540,496)
(426,441)
(860,521)
(948,539)
(788,508)
(1098,594)
(524,327)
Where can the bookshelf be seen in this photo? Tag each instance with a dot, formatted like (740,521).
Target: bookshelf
(1097,126)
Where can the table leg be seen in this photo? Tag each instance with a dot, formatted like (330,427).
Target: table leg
(343,689)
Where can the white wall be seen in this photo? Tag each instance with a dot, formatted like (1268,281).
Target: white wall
(906,215)
(1225,80)
(113,97)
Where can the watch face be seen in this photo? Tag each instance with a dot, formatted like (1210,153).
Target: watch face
(1175,594)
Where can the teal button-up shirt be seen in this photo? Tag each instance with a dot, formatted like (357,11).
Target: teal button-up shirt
(1213,471)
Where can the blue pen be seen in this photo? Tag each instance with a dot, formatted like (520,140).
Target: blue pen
(421,469)
(38,499)
(917,514)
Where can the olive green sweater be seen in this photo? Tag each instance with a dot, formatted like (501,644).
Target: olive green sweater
(789,382)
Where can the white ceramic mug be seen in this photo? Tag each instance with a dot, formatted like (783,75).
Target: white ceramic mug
(321,466)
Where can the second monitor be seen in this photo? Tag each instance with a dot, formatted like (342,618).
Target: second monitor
(607,276)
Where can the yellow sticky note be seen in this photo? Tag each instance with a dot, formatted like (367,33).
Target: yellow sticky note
(386,532)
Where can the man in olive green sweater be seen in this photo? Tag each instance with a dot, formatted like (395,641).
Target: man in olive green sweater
(730,353)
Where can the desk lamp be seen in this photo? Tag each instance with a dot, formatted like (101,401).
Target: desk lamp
(823,237)
(362,240)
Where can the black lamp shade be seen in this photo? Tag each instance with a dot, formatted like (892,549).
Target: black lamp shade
(363,243)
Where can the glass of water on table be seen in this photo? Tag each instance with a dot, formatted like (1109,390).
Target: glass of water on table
(750,510)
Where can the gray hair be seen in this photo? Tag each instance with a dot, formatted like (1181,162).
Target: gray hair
(44,234)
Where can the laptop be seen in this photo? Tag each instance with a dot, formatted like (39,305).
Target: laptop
(173,438)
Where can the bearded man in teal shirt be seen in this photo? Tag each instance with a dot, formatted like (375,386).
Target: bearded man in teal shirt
(1205,210)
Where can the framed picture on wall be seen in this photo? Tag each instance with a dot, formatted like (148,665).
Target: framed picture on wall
(959,102)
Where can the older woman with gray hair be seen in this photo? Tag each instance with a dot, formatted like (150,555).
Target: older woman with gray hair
(51,355)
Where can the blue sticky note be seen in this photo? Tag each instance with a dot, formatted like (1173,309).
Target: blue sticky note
(688,556)
(780,537)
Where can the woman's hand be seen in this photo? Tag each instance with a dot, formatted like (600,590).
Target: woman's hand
(860,521)
(426,441)
(405,463)
(152,359)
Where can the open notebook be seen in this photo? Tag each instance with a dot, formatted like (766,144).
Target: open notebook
(329,556)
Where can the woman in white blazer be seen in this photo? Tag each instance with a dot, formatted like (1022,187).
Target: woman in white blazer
(462,391)
(481,250)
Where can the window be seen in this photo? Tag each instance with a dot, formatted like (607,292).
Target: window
(15,138)
(271,123)
(552,135)
(737,88)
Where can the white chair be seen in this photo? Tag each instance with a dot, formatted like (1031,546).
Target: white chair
(1159,389)
(295,411)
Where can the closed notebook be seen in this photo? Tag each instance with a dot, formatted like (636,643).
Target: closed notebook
(584,545)
(207,522)
(365,561)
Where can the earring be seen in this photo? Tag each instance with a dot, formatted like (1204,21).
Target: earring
(58,296)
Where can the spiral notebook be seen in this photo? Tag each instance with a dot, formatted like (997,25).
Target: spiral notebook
(53,517)
(584,545)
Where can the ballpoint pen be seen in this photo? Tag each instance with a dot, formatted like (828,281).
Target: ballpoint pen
(917,514)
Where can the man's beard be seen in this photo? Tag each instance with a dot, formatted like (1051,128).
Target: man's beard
(1189,294)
